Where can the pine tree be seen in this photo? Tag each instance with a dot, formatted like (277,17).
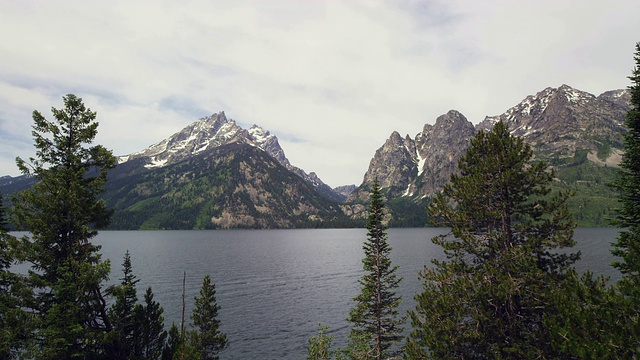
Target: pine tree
(7,302)
(61,212)
(319,347)
(206,339)
(375,315)
(588,321)
(121,312)
(172,344)
(150,340)
(14,329)
(489,298)
(627,245)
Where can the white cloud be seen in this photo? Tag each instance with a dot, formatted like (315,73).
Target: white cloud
(332,79)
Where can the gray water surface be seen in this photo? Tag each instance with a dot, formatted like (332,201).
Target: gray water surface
(275,286)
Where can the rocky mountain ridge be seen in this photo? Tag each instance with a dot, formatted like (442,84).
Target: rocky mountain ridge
(215,131)
(419,166)
(568,128)
(559,121)
(234,185)
(215,174)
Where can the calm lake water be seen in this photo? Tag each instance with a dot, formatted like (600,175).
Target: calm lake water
(276,286)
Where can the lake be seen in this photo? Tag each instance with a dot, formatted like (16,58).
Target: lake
(276,286)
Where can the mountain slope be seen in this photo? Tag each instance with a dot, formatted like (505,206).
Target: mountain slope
(234,185)
(212,132)
(577,133)
(557,122)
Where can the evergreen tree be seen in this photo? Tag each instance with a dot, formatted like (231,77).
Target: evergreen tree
(319,347)
(121,312)
(172,344)
(206,339)
(588,321)
(151,336)
(61,212)
(7,303)
(627,245)
(490,297)
(375,315)
(13,320)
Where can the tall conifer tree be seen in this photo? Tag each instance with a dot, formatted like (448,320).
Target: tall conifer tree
(121,312)
(206,340)
(375,315)
(627,245)
(61,212)
(149,333)
(13,319)
(489,298)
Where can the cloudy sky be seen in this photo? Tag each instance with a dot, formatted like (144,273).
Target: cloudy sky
(331,79)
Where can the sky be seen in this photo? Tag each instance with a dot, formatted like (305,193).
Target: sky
(331,79)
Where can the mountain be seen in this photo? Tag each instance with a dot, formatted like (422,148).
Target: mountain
(557,122)
(214,131)
(345,190)
(215,174)
(577,133)
(412,170)
(234,185)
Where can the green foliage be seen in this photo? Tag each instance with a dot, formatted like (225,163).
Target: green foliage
(407,212)
(627,245)
(592,203)
(150,335)
(173,344)
(604,150)
(206,339)
(489,298)
(189,194)
(121,313)
(319,347)
(14,321)
(587,322)
(375,314)
(61,213)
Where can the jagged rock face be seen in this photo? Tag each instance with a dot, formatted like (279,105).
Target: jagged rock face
(439,147)
(394,164)
(620,97)
(564,125)
(345,190)
(269,143)
(417,167)
(206,133)
(559,121)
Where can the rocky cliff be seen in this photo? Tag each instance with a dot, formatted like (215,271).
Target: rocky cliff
(579,134)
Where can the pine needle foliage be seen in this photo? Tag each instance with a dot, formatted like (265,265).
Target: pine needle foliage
(375,315)
(206,339)
(627,245)
(488,299)
(61,212)
(121,312)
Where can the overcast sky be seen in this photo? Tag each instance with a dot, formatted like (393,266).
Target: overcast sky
(331,79)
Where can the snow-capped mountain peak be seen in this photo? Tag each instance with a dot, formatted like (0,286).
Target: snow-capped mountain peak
(199,136)
(214,131)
